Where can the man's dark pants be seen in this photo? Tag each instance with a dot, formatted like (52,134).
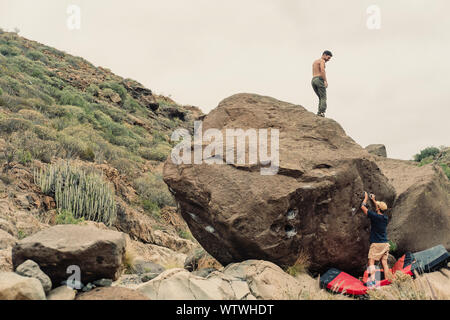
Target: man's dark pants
(319,88)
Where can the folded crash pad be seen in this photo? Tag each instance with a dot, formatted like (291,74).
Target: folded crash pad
(428,260)
(338,281)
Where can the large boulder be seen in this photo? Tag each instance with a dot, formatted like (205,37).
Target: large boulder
(421,213)
(16,287)
(310,206)
(98,253)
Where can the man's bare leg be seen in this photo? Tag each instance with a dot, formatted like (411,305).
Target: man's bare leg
(371,269)
(387,272)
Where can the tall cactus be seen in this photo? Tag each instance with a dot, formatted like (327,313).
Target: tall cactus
(86,195)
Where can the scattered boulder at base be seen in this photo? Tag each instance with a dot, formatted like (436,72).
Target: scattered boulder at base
(98,253)
(31,269)
(62,293)
(309,207)
(16,287)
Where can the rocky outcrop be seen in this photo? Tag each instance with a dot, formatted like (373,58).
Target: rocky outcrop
(142,94)
(421,213)
(98,253)
(16,287)
(377,149)
(311,204)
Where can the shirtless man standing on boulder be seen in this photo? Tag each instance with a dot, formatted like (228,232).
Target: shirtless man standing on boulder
(319,81)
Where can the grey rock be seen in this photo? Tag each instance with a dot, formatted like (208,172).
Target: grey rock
(149,276)
(74,284)
(31,269)
(142,266)
(203,272)
(103,283)
(88,287)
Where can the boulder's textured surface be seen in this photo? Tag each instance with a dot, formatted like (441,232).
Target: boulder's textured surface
(180,284)
(62,293)
(112,293)
(6,260)
(248,280)
(438,284)
(31,269)
(421,214)
(377,149)
(311,204)
(16,287)
(6,240)
(98,253)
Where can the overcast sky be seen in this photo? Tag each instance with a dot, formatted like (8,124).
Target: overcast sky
(387,85)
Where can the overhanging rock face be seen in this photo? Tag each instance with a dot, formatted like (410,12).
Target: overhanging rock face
(310,207)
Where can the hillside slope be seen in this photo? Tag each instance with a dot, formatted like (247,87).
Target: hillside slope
(55,106)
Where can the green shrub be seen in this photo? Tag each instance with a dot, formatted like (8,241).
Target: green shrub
(68,96)
(157,153)
(446,169)
(152,187)
(1,91)
(45,133)
(10,125)
(93,89)
(151,208)
(425,153)
(86,195)
(185,234)
(36,55)
(24,146)
(72,146)
(426,161)
(9,51)
(25,157)
(131,105)
(125,166)
(117,87)
(67,217)
(392,246)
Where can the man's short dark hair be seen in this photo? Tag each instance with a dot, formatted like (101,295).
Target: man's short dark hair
(328,53)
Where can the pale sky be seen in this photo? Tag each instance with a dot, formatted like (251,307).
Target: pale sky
(386,85)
